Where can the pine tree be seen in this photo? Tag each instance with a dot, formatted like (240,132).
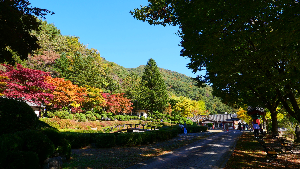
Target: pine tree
(153,95)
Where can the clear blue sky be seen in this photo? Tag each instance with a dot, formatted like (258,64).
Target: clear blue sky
(108,26)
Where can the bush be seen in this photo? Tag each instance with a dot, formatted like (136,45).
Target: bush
(37,142)
(20,159)
(27,141)
(62,146)
(196,129)
(62,114)
(209,124)
(98,116)
(16,116)
(78,140)
(105,140)
(90,115)
(10,142)
(129,139)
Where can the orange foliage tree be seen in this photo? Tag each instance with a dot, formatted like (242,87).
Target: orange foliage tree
(66,94)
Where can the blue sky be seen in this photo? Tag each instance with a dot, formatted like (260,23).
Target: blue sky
(109,27)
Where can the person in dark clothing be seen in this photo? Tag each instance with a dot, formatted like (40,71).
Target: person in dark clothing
(256,129)
(240,126)
(261,129)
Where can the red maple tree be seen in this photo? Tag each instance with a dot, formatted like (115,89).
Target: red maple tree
(26,84)
(117,103)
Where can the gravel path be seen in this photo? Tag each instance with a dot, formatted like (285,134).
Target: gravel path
(211,152)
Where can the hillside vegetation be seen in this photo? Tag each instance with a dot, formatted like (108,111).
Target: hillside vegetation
(66,58)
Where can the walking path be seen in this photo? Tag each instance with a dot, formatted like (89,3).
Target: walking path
(211,152)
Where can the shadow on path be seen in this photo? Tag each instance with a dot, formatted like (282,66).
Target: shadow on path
(211,152)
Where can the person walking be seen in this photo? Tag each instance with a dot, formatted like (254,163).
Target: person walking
(256,129)
(240,126)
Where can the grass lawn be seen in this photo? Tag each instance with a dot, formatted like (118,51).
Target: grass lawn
(250,154)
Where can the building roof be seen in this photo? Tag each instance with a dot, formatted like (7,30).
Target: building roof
(219,117)
(215,118)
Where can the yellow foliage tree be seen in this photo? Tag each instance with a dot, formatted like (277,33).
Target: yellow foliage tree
(242,114)
(188,107)
(94,99)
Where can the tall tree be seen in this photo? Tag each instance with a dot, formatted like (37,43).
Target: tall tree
(250,50)
(153,95)
(17,20)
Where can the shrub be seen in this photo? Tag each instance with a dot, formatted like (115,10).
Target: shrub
(93,118)
(20,159)
(78,140)
(209,124)
(129,139)
(27,141)
(51,122)
(71,117)
(196,129)
(50,114)
(105,140)
(8,143)
(37,142)
(16,116)
(62,146)
(98,116)
(90,115)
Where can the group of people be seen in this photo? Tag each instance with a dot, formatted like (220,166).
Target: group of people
(256,127)
(240,127)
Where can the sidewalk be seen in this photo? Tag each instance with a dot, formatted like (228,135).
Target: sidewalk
(211,152)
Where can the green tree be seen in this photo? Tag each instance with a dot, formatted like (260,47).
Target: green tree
(17,20)
(153,95)
(83,70)
(250,51)
(131,87)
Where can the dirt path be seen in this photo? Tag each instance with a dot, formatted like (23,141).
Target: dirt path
(211,152)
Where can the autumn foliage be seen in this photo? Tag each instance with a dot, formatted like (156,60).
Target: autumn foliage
(26,84)
(117,103)
(66,94)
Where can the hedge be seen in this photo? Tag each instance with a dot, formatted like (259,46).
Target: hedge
(107,140)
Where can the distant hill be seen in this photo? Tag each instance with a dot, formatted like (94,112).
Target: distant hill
(179,85)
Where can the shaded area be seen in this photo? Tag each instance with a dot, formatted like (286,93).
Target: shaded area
(123,157)
(207,153)
(250,154)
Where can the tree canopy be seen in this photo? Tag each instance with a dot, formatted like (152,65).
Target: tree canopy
(249,50)
(17,20)
(153,95)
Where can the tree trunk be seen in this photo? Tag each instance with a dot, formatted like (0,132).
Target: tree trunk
(297,132)
(274,123)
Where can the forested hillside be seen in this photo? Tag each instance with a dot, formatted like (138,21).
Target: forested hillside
(181,85)
(65,57)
